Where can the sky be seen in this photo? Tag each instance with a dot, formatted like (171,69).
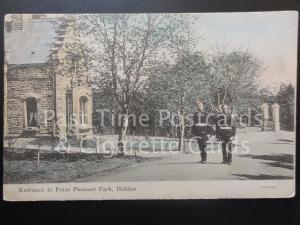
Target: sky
(270,36)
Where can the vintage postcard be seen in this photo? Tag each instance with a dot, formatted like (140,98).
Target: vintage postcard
(149,106)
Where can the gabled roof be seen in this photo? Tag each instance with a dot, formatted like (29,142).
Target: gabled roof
(32,44)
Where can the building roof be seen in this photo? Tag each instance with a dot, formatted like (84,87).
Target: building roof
(32,44)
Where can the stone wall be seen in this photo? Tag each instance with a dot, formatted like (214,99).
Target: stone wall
(24,81)
(62,84)
(85,129)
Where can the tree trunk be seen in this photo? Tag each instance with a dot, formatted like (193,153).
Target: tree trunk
(122,133)
(181,135)
(182,125)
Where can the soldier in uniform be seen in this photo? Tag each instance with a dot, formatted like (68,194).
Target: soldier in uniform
(226,131)
(217,115)
(201,129)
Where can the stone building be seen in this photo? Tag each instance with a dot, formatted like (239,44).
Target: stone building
(39,100)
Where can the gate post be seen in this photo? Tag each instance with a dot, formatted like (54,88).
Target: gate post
(275,116)
(265,116)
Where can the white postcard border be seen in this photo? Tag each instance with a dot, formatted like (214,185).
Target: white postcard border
(150,190)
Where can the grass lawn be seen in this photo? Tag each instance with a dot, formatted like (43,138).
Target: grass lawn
(56,167)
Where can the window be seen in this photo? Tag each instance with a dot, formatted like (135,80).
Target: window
(31,111)
(83,100)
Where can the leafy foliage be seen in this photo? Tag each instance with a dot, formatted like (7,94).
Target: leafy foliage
(234,76)
(147,62)
(285,98)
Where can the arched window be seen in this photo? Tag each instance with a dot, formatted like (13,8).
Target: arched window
(83,116)
(31,111)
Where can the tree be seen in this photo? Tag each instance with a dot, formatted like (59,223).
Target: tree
(125,46)
(233,78)
(285,98)
(230,76)
(71,56)
(177,87)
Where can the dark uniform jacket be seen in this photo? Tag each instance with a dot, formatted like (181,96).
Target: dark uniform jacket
(225,126)
(202,125)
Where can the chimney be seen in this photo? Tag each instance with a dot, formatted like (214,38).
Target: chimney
(16,22)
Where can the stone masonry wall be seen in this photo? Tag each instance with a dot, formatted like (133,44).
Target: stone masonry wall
(22,80)
(61,88)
